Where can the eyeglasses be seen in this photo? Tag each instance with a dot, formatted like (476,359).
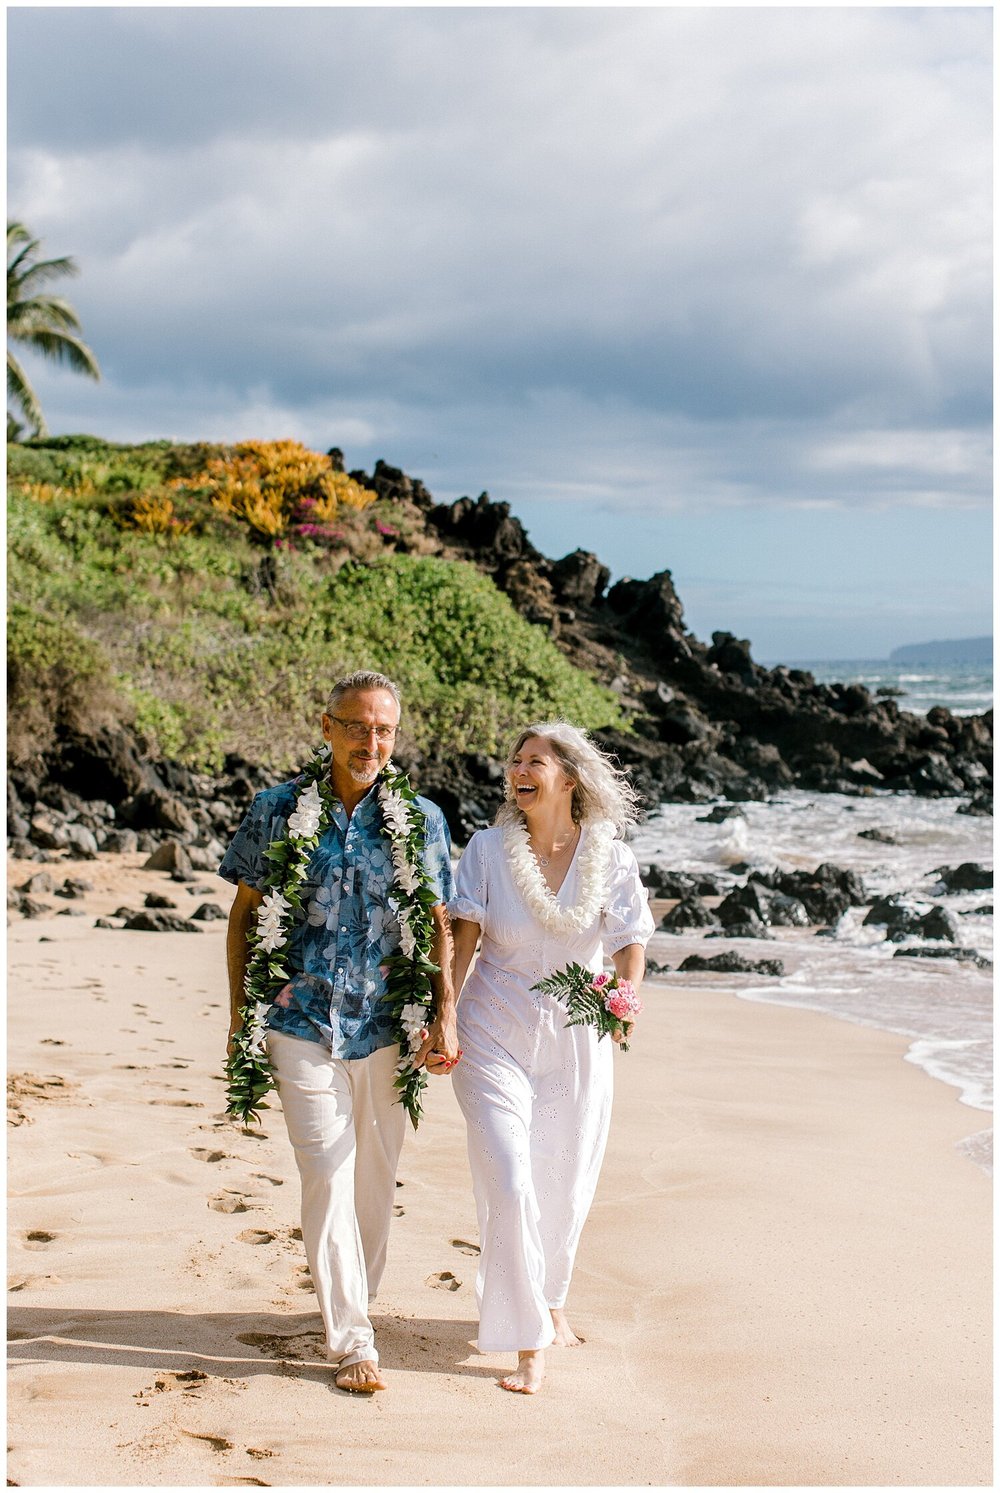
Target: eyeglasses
(358,731)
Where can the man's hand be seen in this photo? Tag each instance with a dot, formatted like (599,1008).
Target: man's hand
(440,1052)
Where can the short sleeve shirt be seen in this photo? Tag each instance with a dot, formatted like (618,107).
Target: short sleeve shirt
(347,927)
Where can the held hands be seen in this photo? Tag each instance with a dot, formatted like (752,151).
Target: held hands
(440,1052)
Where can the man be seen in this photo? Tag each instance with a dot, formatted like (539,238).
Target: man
(330,1040)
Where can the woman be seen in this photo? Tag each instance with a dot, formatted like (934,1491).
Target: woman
(547,886)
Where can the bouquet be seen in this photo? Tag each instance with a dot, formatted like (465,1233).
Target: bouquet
(602,1001)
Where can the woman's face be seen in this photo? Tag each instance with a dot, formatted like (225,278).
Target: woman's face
(537,777)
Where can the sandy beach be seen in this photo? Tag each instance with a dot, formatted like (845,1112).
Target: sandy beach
(785,1279)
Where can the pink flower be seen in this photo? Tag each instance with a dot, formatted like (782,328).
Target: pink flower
(623,1001)
(284,997)
(599,981)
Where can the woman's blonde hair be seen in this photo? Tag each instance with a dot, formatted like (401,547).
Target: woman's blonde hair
(601,789)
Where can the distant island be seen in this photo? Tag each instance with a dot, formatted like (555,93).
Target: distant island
(955,651)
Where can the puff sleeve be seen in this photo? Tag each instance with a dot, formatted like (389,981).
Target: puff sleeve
(471,883)
(627,918)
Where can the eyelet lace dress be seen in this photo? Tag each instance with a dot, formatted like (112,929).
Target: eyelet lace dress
(535,1093)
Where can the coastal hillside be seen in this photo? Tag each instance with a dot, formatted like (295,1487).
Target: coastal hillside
(945,651)
(206,600)
(188,605)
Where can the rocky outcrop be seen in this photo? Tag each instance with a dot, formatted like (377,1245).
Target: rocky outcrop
(709,721)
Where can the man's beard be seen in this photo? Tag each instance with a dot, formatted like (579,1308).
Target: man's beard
(364,772)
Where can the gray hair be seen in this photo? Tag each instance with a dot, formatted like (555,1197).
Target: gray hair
(601,789)
(361,679)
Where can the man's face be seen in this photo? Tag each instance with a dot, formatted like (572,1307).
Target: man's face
(361,735)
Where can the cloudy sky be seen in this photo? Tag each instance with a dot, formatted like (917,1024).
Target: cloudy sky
(694,288)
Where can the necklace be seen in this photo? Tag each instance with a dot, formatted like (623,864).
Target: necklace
(595,859)
(544,860)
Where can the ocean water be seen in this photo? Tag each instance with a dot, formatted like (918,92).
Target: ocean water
(944,1006)
(964,689)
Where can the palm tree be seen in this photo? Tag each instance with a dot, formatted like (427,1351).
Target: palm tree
(45,323)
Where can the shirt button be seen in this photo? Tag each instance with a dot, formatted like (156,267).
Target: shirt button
(343,928)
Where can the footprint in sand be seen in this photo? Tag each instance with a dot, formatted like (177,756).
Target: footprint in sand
(256,1236)
(32,1282)
(295,1345)
(465,1247)
(217,1443)
(274,1181)
(443,1281)
(201,1154)
(230,1202)
(189,1381)
(398,1211)
(303,1281)
(39,1237)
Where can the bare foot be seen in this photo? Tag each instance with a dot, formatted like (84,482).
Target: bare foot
(527,1377)
(565,1336)
(360,1378)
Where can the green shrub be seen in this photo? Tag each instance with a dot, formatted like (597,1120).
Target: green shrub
(56,676)
(209,647)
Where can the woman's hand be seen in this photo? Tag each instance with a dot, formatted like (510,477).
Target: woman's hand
(440,1051)
(630,964)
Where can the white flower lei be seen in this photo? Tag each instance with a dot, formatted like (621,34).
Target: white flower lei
(595,859)
(408,988)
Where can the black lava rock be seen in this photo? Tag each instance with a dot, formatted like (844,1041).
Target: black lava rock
(967,956)
(721,813)
(894,913)
(730,963)
(938,923)
(208,912)
(155,921)
(752,927)
(968,877)
(690,912)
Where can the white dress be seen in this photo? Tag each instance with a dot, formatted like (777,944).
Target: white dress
(535,1093)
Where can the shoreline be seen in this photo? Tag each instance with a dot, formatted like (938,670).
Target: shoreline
(784,1280)
(983,1158)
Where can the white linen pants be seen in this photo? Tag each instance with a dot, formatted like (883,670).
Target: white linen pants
(346,1130)
(538,1120)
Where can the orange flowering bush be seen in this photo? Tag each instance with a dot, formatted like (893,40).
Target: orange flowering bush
(153,513)
(275,486)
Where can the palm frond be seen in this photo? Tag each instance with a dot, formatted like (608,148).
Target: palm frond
(41,274)
(41,314)
(19,390)
(61,348)
(45,323)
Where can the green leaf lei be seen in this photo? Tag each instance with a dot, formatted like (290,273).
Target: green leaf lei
(409,991)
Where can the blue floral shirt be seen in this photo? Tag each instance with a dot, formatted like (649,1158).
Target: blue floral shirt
(346,927)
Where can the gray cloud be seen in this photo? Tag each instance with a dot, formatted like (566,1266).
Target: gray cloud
(676,259)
